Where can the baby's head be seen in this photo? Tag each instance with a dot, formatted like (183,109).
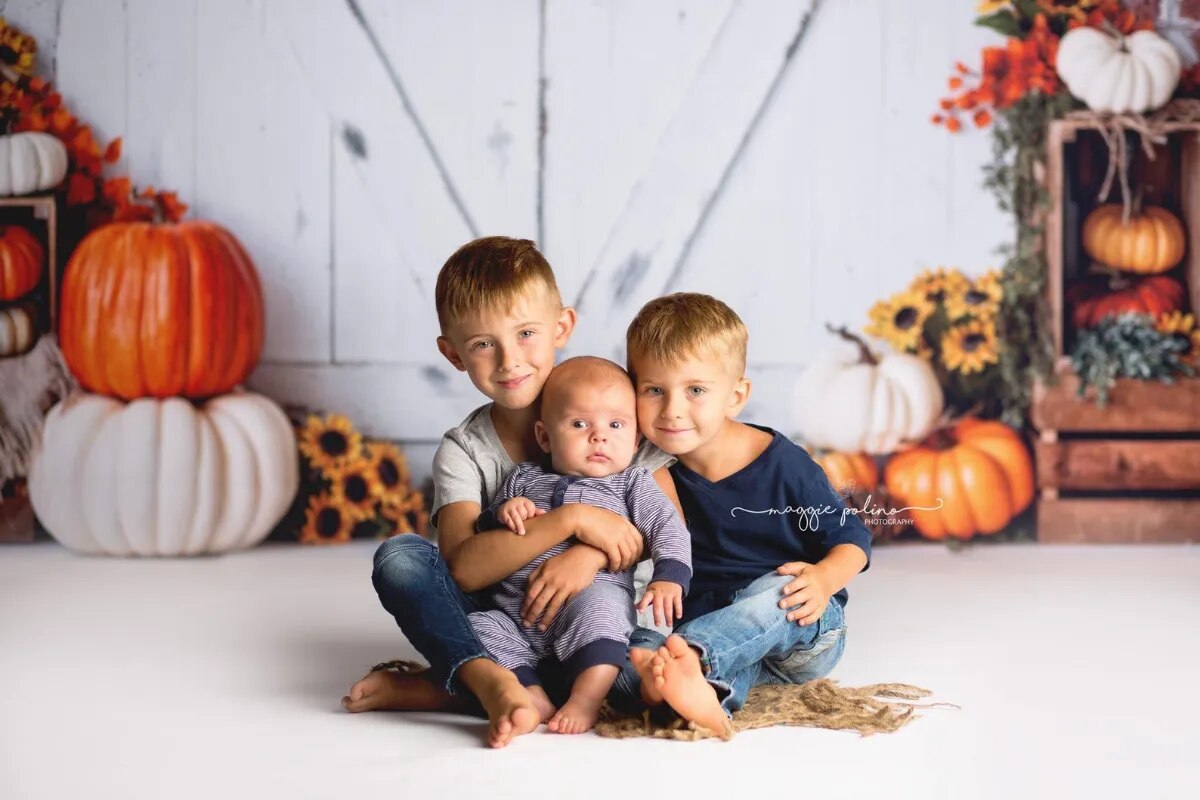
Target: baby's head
(588,421)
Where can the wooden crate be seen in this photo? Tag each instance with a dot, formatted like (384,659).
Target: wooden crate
(1129,472)
(39,214)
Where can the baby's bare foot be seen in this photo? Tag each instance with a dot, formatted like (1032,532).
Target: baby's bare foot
(578,714)
(642,661)
(398,691)
(685,690)
(541,701)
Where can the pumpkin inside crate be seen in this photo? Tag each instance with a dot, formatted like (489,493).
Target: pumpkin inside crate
(1128,471)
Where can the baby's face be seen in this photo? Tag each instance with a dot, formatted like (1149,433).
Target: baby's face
(590,428)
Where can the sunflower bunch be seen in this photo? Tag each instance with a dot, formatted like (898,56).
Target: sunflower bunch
(351,487)
(949,320)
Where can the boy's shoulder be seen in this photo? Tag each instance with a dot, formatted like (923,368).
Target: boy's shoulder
(474,431)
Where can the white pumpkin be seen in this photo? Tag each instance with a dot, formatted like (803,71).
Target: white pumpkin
(162,477)
(860,402)
(1121,74)
(18,330)
(31,162)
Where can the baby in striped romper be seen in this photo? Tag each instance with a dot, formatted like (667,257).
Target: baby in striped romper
(588,426)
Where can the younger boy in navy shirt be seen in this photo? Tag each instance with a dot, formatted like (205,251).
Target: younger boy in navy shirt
(772,545)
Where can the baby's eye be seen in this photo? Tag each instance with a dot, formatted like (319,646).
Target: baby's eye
(696,391)
(616,424)
(579,424)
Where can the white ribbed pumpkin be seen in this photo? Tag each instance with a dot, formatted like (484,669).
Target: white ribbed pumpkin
(30,162)
(863,403)
(162,477)
(17,330)
(1134,73)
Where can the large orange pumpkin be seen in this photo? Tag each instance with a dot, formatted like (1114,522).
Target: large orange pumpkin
(971,479)
(21,258)
(1097,298)
(159,310)
(849,472)
(1151,242)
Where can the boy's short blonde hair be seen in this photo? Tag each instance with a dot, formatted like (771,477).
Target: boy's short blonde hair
(676,326)
(492,272)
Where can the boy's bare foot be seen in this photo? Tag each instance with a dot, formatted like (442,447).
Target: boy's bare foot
(398,691)
(541,701)
(642,661)
(510,708)
(582,709)
(685,690)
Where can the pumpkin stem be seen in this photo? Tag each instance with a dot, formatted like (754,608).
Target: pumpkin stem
(865,354)
(941,439)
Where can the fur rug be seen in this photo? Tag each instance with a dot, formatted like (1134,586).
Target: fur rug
(29,385)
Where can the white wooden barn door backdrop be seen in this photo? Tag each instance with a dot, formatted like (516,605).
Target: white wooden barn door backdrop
(775,153)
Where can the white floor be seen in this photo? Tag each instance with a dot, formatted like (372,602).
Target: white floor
(1076,670)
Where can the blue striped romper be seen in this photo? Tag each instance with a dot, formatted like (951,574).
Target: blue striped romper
(593,627)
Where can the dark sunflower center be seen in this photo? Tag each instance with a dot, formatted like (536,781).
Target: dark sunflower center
(334,443)
(972,342)
(329,520)
(356,489)
(363,529)
(974,297)
(906,318)
(389,473)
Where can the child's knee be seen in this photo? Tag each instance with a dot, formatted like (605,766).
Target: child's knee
(401,554)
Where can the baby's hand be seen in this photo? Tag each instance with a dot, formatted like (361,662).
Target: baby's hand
(667,599)
(513,513)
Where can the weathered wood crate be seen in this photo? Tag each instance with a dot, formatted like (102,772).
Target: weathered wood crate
(1128,472)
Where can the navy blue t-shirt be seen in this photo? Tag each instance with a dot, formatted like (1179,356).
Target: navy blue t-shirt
(778,508)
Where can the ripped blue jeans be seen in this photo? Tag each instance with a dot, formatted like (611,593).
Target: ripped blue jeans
(748,643)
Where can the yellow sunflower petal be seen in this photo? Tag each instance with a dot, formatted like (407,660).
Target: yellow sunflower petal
(330,443)
(326,522)
(970,347)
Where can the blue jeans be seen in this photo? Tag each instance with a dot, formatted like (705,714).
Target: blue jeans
(748,643)
(414,584)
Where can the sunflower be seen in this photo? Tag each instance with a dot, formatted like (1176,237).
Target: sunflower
(900,320)
(330,443)
(936,284)
(1181,326)
(390,471)
(970,347)
(409,515)
(988,7)
(357,489)
(17,50)
(980,299)
(326,521)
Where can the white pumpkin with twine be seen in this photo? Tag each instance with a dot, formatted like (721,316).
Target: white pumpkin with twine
(31,161)
(863,402)
(1116,73)
(163,477)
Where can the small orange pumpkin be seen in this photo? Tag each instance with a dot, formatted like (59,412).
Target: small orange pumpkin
(1151,242)
(849,472)
(1094,299)
(21,258)
(158,310)
(971,479)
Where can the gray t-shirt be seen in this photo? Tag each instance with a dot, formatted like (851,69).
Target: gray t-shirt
(471,463)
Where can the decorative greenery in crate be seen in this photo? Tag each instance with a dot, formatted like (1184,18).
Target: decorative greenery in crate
(1135,346)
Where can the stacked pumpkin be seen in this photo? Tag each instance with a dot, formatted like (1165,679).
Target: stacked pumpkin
(957,480)
(160,455)
(29,162)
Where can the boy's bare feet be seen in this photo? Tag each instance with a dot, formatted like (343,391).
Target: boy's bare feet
(685,690)
(398,691)
(643,660)
(541,701)
(509,705)
(582,709)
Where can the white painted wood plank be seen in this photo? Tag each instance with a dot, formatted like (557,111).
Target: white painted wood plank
(616,75)
(414,198)
(399,401)
(160,147)
(481,111)
(263,170)
(689,163)
(92,65)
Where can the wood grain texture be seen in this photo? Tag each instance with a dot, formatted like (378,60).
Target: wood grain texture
(1133,406)
(1117,521)
(1118,465)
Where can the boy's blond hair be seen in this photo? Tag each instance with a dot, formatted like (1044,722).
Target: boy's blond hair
(492,272)
(675,326)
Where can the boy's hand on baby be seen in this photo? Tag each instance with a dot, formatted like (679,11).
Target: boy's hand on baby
(807,595)
(667,599)
(514,512)
(612,534)
(556,580)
